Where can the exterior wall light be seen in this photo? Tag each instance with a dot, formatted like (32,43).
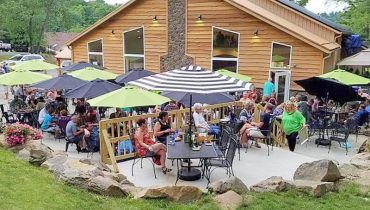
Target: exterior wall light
(255,34)
(200,18)
(155,19)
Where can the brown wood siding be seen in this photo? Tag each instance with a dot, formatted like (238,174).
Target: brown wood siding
(136,15)
(254,55)
(297,18)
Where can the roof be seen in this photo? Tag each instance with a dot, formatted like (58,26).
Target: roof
(314,16)
(360,59)
(256,11)
(57,40)
(285,25)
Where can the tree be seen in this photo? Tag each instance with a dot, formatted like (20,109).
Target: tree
(301,2)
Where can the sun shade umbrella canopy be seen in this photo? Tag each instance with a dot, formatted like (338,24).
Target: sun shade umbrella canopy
(128,97)
(92,89)
(228,73)
(133,75)
(321,87)
(212,98)
(22,77)
(62,82)
(34,65)
(90,74)
(192,79)
(346,77)
(81,65)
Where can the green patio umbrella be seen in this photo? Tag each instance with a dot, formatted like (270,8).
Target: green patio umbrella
(90,74)
(34,65)
(22,77)
(346,77)
(278,58)
(128,97)
(234,75)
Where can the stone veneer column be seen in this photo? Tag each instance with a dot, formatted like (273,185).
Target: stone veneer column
(176,57)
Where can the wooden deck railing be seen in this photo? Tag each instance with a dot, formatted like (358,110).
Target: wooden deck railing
(115,141)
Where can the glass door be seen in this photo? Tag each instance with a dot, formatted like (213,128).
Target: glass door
(282,85)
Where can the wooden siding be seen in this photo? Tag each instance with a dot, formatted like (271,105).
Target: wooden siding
(255,53)
(297,18)
(136,15)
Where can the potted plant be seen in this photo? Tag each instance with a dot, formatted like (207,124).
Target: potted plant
(19,134)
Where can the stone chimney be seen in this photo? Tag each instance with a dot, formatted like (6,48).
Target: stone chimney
(176,57)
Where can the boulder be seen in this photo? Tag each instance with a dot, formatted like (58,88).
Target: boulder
(361,160)
(77,173)
(349,171)
(321,171)
(114,176)
(102,166)
(272,184)
(33,151)
(314,188)
(55,164)
(365,147)
(232,183)
(106,186)
(173,193)
(229,200)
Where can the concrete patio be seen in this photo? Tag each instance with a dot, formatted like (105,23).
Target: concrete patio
(254,166)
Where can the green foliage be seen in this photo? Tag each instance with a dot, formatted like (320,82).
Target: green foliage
(301,2)
(24,22)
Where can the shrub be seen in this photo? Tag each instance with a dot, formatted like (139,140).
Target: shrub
(17,133)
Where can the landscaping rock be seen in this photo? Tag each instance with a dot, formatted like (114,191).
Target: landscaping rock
(248,200)
(229,200)
(361,160)
(33,151)
(55,164)
(272,184)
(224,185)
(321,170)
(173,193)
(114,176)
(314,188)
(106,186)
(349,171)
(365,147)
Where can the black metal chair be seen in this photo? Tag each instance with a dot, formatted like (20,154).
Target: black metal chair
(266,138)
(352,125)
(222,143)
(137,159)
(226,161)
(340,134)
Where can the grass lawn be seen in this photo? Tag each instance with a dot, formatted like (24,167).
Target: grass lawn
(23,186)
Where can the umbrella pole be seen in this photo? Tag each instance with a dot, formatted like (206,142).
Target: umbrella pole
(190,115)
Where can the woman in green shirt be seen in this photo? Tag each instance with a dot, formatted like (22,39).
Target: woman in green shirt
(292,121)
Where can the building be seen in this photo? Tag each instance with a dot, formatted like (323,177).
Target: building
(258,38)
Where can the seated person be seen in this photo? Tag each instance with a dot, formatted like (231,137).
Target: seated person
(361,116)
(161,128)
(147,146)
(200,123)
(246,117)
(31,102)
(171,106)
(17,104)
(63,120)
(91,115)
(80,107)
(260,130)
(75,134)
(47,123)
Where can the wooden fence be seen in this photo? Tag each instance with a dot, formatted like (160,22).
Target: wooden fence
(115,141)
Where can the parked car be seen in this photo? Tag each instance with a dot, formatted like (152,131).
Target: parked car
(65,63)
(5,46)
(21,57)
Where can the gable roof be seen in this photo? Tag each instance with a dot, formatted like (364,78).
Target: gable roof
(314,16)
(259,13)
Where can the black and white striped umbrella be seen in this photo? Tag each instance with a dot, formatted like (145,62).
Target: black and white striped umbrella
(192,79)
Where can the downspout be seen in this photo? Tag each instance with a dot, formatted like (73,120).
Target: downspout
(325,58)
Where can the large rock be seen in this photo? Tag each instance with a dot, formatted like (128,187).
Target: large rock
(365,147)
(349,171)
(106,186)
(272,184)
(321,170)
(361,160)
(33,151)
(229,200)
(314,188)
(224,185)
(173,193)
(77,173)
(55,164)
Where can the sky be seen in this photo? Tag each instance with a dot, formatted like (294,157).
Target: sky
(316,6)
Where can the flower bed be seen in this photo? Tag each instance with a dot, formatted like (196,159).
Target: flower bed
(18,134)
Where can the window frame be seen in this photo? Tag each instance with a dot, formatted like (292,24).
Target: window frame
(290,55)
(132,55)
(96,53)
(225,59)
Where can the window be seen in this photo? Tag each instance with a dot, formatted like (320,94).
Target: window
(280,55)
(225,50)
(134,49)
(95,52)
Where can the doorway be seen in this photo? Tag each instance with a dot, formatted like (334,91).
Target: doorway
(281,80)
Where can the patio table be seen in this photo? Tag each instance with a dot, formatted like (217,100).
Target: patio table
(180,150)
